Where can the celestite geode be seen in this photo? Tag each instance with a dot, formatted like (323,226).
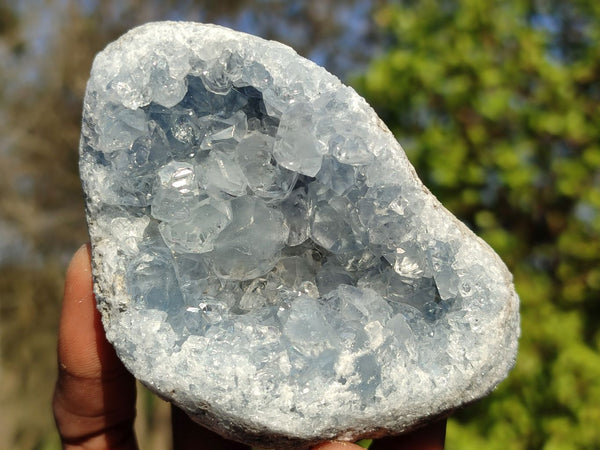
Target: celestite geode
(265,256)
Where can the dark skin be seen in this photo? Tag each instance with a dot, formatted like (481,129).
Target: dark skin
(94,398)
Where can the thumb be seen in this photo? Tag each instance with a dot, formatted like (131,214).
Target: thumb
(94,397)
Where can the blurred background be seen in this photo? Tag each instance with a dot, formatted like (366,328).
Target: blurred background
(497,104)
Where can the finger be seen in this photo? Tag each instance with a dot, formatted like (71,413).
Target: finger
(430,437)
(94,397)
(188,435)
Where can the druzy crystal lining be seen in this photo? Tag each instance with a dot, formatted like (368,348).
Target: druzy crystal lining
(264,252)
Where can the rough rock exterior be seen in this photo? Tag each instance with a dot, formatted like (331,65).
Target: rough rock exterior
(265,256)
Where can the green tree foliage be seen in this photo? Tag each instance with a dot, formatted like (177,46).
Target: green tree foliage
(497,104)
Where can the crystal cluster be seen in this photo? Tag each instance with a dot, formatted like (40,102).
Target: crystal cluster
(264,255)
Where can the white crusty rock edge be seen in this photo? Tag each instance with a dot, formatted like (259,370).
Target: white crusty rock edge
(228,398)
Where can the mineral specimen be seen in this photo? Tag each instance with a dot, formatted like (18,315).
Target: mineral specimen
(265,256)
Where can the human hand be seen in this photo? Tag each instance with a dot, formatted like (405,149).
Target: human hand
(94,397)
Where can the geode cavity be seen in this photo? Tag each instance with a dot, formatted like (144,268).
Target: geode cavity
(265,256)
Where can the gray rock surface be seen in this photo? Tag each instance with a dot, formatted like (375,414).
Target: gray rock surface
(265,256)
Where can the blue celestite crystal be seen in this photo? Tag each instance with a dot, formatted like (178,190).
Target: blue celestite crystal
(264,254)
